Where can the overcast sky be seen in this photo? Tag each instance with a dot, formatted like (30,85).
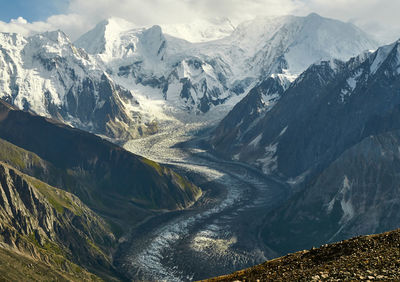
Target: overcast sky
(378,17)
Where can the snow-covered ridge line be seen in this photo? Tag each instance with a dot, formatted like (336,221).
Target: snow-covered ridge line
(121,80)
(199,76)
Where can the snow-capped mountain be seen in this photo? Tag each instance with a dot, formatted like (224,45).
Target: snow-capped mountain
(119,79)
(336,131)
(329,107)
(292,43)
(201,30)
(48,75)
(146,57)
(196,76)
(286,47)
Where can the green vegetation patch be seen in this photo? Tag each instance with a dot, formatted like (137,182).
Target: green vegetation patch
(58,198)
(16,156)
(17,267)
(154,165)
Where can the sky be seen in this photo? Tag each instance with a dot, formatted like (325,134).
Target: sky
(74,17)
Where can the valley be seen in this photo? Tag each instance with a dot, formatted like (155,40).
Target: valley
(217,235)
(153,153)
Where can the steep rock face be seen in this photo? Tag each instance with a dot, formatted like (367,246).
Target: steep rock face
(329,108)
(355,195)
(52,225)
(197,77)
(186,77)
(248,112)
(106,177)
(333,135)
(286,47)
(48,75)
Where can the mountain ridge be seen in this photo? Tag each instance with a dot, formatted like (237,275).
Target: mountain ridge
(102,174)
(52,226)
(333,136)
(131,80)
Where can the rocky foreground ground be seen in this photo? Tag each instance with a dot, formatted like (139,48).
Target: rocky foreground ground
(373,257)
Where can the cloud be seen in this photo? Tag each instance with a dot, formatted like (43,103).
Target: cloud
(173,11)
(22,26)
(376,16)
(82,15)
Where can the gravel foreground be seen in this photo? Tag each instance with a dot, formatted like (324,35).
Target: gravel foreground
(364,258)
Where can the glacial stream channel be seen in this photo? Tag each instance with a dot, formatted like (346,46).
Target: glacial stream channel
(216,236)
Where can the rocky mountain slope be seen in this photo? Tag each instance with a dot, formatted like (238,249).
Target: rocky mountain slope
(101,174)
(17,266)
(245,114)
(334,136)
(47,227)
(293,45)
(330,107)
(355,195)
(366,258)
(46,224)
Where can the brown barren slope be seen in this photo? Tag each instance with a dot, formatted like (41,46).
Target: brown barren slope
(373,257)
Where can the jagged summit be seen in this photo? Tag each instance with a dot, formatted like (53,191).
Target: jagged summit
(44,73)
(96,40)
(57,36)
(390,54)
(199,76)
(100,39)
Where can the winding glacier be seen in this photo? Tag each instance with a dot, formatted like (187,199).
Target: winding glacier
(207,236)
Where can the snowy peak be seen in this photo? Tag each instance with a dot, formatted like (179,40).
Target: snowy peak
(58,37)
(153,41)
(306,40)
(52,44)
(169,67)
(8,40)
(253,34)
(116,39)
(94,40)
(100,39)
(200,30)
(48,75)
(390,54)
(290,44)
